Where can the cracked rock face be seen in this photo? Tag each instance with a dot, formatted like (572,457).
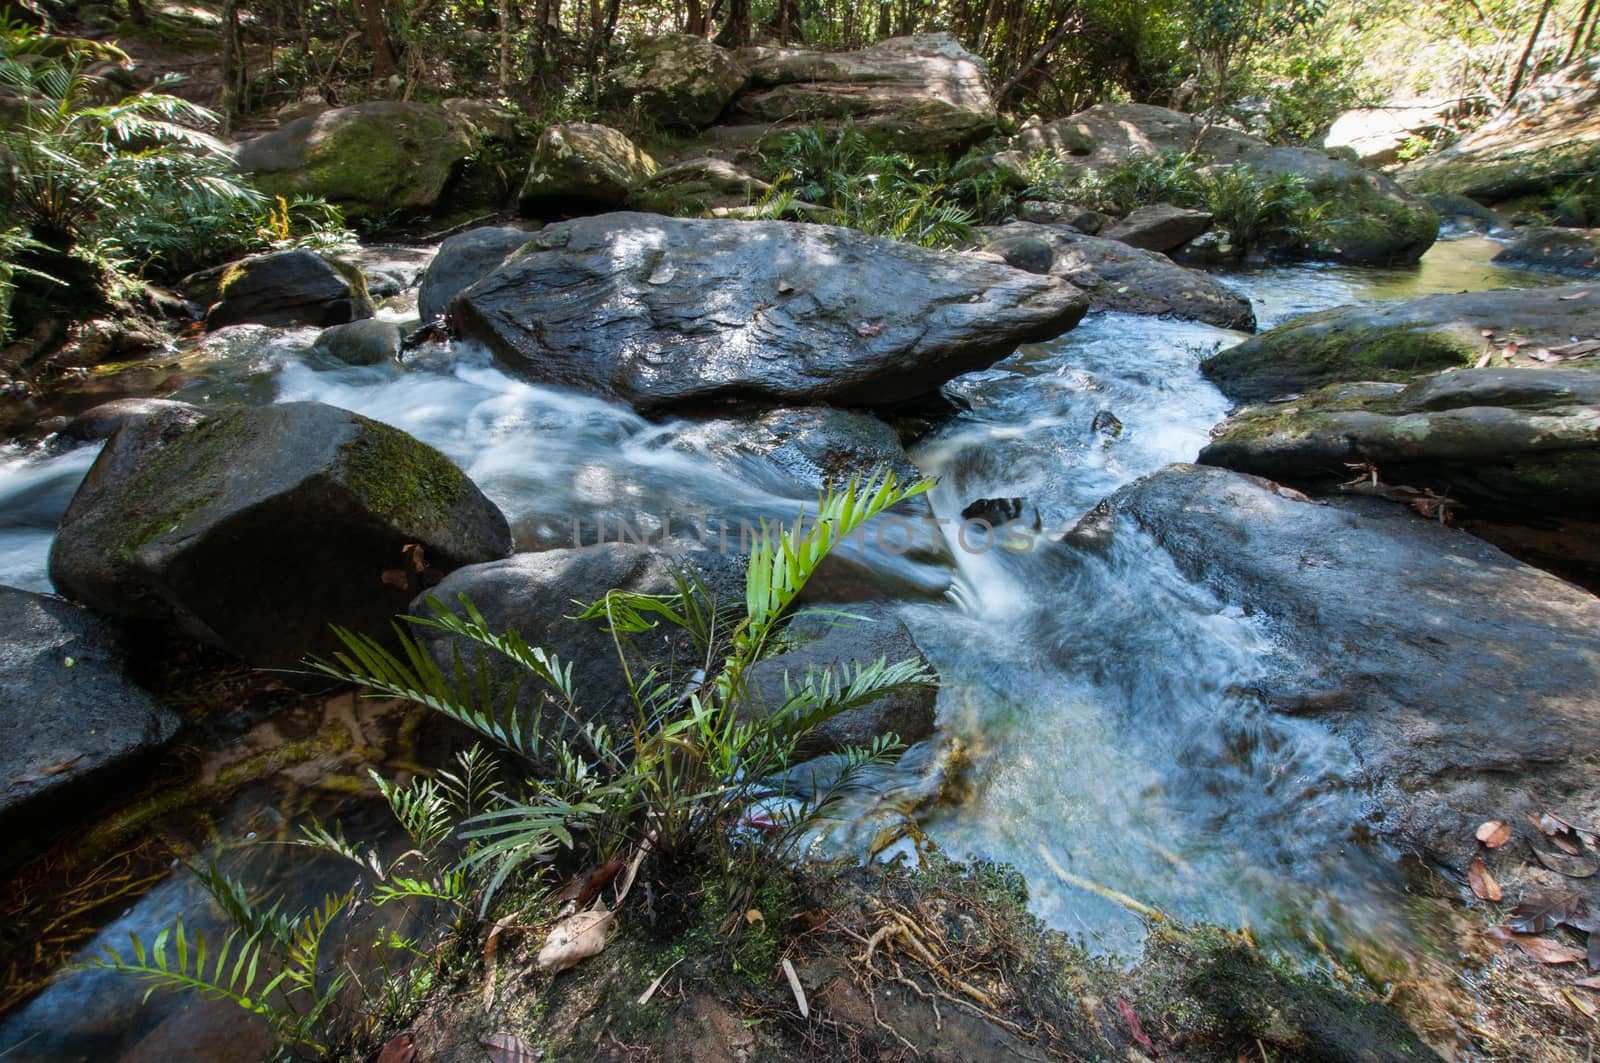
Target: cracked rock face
(665,312)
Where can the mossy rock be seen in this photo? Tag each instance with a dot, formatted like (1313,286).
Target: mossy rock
(584,163)
(677,80)
(260,527)
(697,187)
(371,159)
(1511,443)
(1397,342)
(285,288)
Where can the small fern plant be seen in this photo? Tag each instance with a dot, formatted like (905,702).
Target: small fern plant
(698,761)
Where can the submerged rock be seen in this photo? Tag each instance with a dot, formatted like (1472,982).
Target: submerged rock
(462,261)
(282,288)
(360,342)
(369,159)
(678,80)
(1400,341)
(1119,277)
(666,311)
(68,713)
(258,528)
(1572,252)
(1367,218)
(924,93)
(583,164)
(841,646)
(1467,683)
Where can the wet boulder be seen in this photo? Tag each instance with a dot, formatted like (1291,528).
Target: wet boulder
(678,80)
(69,715)
(1401,341)
(283,288)
(258,528)
(368,342)
(369,159)
(463,260)
(810,448)
(1450,727)
(1159,227)
(581,164)
(924,93)
(1508,441)
(842,646)
(1116,276)
(668,311)
(1570,252)
(534,594)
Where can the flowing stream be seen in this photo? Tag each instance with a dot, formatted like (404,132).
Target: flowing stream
(1095,725)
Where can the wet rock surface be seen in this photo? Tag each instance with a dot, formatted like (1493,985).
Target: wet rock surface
(68,713)
(281,288)
(462,261)
(1570,252)
(781,312)
(1453,725)
(258,528)
(1117,276)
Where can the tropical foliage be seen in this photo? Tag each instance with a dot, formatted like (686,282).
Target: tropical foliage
(695,781)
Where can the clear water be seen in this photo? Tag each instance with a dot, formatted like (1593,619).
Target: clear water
(1110,749)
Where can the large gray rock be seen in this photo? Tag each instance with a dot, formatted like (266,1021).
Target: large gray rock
(68,714)
(1571,252)
(677,80)
(583,164)
(284,288)
(1119,277)
(258,528)
(1467,683)
(1400,341)
(369,159)
(462,261)
(1159,227)
(842,645)
(103,421)
(1504,442)
(924,93)
(665,311)
(1367,218)
(536,594)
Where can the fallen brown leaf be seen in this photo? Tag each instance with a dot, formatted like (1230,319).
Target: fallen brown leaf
(1539,912)
(1494,833)
(507,1048)
(1483,883)
(398,1049)
(581,890)
(1542,949)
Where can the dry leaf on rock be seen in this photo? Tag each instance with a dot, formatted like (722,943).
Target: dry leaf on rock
(1542,949)
(398,1049)
(574,939)
(507,1048)
(1494,833)
(1539,912)
(1483,883)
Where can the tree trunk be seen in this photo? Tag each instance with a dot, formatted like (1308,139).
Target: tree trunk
(1585,21)
(735,32)
(230,64)
(1522,64)
(505,48)
(383,64)
(695,21)
(136,13)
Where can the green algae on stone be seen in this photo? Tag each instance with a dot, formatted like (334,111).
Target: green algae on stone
(407,482)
